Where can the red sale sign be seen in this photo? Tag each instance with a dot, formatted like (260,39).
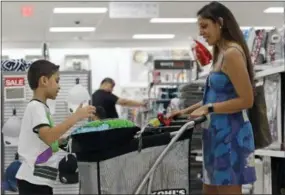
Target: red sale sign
(14,82)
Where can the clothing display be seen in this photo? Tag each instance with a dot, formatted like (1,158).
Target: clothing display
(257,45)
(271,88)
(266,46)
(274,46)
(15,65)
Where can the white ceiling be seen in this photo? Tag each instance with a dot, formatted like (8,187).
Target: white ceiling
(18,31)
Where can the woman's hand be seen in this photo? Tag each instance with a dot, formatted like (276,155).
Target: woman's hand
(174,114)
(203,110)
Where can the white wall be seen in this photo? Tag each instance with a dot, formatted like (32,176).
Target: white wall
(105,62)
(114,63)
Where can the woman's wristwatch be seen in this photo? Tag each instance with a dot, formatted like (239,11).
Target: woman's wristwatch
(210,108)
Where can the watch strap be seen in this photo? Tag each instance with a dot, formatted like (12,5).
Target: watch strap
(210,108)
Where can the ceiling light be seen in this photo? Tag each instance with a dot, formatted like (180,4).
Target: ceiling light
(257,27)
(173,20)
(153,36)
(274,10)
(79,10)
(72,29)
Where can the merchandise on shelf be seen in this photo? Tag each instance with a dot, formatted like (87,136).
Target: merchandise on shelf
(271,87)
(265,46)
(11,129)
(191,94)
(15,65)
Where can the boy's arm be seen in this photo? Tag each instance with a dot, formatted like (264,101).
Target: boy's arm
(50,134)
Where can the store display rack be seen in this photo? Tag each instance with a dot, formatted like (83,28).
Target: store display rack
(165,78)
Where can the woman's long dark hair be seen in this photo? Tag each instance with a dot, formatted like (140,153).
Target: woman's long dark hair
(230,30)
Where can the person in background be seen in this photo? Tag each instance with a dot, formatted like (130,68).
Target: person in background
(107,100)
(228,140)
(39,136)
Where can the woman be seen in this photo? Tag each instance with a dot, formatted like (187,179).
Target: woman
(228,142)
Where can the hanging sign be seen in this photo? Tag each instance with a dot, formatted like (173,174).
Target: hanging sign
(172,64)
(14,88)
(133,9)
(45,51)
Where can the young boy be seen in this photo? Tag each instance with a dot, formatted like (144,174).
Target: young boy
(38,140)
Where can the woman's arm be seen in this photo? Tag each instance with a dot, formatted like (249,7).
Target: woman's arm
(187,110)
(191,108)
(235,67)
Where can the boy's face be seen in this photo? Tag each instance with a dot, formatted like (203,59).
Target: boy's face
(53,86)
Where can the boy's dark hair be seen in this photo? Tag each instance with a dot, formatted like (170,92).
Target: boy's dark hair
(108,80)
(38,69)
(100,112)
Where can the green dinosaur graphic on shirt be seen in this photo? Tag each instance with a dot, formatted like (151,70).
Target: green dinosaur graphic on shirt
(54,145)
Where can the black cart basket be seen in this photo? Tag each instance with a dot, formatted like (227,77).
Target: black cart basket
(154,160)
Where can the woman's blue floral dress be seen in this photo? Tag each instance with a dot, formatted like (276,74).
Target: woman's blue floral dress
(228,141)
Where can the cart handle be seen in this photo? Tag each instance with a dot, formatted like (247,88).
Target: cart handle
(167,148)
(200,119)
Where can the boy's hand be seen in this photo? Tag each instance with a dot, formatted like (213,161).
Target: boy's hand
(85,112)
(63,141)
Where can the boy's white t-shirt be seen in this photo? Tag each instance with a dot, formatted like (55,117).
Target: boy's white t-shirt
(31,146)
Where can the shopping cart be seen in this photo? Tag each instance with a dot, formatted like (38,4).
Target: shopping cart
(115,165)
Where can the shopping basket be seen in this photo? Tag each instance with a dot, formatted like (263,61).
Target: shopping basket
(161,167)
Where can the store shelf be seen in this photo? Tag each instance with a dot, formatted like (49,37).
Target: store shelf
(270,71)
(262,70)
(271,153)
(170,83)
(262,152)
